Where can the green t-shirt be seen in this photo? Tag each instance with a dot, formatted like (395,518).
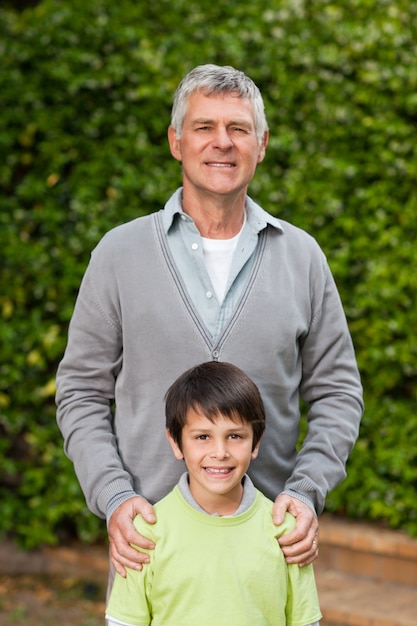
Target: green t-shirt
(207,570)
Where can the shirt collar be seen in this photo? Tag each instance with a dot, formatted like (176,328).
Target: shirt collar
(257,218)
(248,497)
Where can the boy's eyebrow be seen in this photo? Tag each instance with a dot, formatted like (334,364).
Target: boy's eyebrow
(237,427)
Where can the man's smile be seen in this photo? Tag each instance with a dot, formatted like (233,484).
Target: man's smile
(219,164)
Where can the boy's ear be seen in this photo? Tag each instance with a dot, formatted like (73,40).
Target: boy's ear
(256,449)
(175,447)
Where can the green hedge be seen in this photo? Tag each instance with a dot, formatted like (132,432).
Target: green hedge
(85,97)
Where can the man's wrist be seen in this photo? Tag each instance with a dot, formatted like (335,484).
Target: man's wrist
(300,496)
(113,495)
(118,500)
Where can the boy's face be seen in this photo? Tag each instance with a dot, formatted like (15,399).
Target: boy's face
(217,455)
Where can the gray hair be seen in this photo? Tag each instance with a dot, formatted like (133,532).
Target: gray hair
(217,79)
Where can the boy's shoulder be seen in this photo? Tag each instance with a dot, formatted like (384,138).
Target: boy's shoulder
(169,510)
(163,511)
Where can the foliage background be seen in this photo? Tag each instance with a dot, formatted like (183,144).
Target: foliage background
(85,97)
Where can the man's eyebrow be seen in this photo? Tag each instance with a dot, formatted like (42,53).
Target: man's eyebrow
(202,120)
(234,122)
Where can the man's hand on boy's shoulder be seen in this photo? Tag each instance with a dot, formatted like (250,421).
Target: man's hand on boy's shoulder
(301,544)
(122,535)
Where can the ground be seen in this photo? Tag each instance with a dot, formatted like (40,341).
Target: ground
(47,601)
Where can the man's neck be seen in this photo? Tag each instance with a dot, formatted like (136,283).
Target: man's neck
(216,218)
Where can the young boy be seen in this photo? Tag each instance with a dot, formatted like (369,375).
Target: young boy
(217,561)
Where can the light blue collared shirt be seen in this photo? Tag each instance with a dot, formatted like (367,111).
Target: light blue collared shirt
(185,243)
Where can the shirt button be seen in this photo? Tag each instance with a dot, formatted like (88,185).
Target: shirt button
(183,217)
(209,294)
(194,246)
(215,354)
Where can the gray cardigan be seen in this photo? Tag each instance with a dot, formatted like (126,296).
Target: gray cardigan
(134,330)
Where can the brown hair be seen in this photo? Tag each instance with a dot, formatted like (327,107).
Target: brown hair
(214,388)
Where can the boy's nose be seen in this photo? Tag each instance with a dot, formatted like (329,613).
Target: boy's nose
(220,451)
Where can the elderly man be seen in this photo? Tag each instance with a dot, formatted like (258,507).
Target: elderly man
(211,276)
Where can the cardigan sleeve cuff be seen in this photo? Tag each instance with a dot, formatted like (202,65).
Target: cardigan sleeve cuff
(300,496)
(113,495)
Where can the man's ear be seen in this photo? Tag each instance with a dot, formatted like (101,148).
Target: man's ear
(262,147)
(174,143)
(175,447)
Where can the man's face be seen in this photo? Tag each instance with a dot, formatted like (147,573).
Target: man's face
(218,147)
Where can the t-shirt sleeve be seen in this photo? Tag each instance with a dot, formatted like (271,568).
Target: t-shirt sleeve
(129,601)
(303,606)
(129,598)
(302,599)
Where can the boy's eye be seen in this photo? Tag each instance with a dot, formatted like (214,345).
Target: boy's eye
(202,437)
(235,436)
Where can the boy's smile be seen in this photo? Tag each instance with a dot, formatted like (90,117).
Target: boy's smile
(217,455)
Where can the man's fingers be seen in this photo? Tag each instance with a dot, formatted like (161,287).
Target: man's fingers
(303,552)
(301,544)
(312,555)
(127,558)
(123,535)
(304,533)
(281,506)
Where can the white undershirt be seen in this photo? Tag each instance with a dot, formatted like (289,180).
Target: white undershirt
(218,255)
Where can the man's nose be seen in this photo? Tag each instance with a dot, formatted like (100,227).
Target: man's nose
(222,138)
